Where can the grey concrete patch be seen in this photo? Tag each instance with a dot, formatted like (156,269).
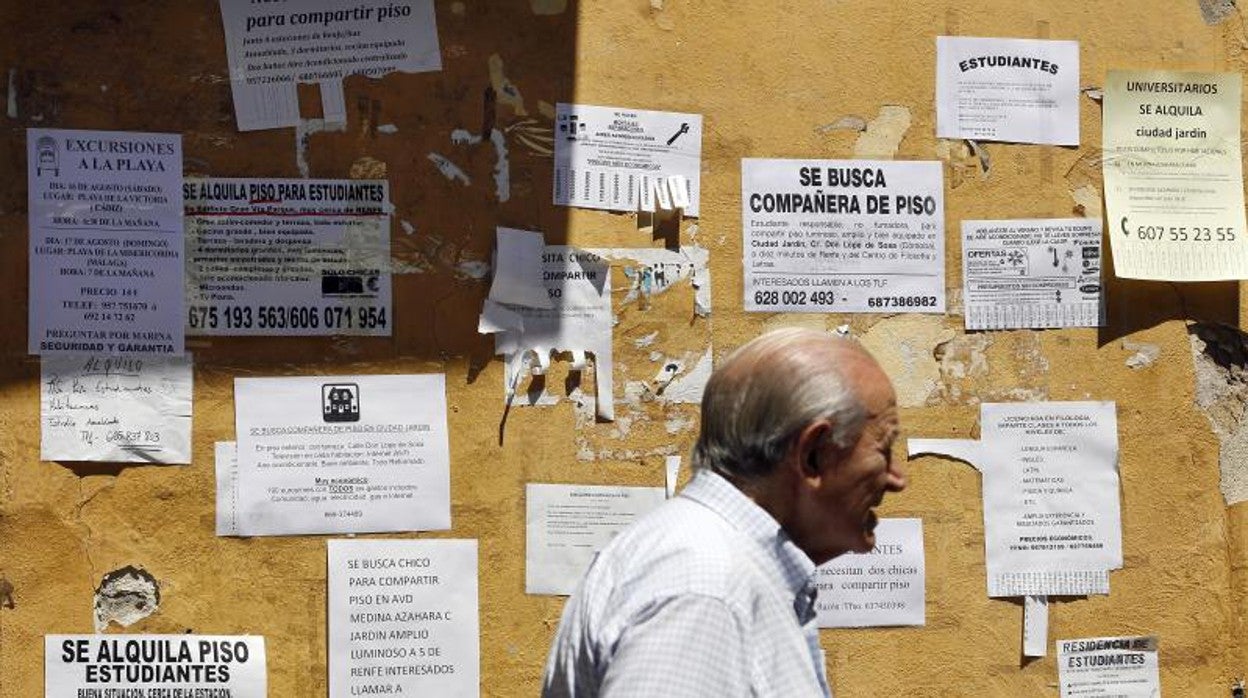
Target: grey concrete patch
(125,597)
(1220,358)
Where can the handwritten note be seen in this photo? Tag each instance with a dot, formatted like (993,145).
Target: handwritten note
(117,409)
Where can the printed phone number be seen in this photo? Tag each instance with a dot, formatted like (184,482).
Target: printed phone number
(1184,234)
(791,298)
(281,317)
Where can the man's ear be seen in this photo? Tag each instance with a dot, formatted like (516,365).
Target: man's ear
(810,443)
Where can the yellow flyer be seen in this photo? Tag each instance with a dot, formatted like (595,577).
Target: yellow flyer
(1174,189)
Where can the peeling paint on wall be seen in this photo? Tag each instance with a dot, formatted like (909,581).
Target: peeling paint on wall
(845,123)
(687,383)
(532,134)
(388,129)
(303,136)
(643,342)
(473,269)
(883,135)
(368,168)
(1220,359)
(1145,354)
(1216,11)
(449,169)
(1087,200)
(991,367)
(6,593)
(981,152)
(502,167)
(678,423)
(125,596)
(507,92)
(502,163)
(660,18)
(963,162)
(905,346)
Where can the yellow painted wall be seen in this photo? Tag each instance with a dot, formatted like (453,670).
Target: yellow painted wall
(768,76)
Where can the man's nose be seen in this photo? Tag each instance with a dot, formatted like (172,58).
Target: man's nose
(895,480)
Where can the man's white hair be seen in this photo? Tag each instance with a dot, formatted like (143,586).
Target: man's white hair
(766,392)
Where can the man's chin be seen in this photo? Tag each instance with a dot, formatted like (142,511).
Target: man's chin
(865,543)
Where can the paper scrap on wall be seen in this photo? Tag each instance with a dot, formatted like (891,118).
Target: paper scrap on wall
(106,242)
(627,159)
(518,269)
(154,665)
(577,287)
(1125,667)
(225,463)
(274,46)
(342,454)
(884,587)
(1032,273)
(566,526)
(1174,186)
(843,236)
(288,257)
(1050,489)
(116,409)
(1016,90)
(403,618)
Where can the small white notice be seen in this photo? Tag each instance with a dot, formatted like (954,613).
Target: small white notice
(843,236)
(1021,274)
(1174,181)
(106,240)
(1109,667)
(625,159)
(1015,90)
(117,409)
(342,454)
(1050,484)
(566,526)
(272,46)
(145,666)
(884,587)
(403,618)
(287,257)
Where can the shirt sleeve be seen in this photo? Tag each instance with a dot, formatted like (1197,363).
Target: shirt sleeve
(684,647)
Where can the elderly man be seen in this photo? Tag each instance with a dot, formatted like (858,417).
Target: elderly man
(713,593)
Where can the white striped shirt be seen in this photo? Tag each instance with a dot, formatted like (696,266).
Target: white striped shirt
(705,596)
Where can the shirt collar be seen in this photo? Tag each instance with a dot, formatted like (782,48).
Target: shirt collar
(711,490)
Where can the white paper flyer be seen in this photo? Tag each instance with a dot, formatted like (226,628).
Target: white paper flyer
(1052,523)
(1015,90)
(105,242)
(1032,273)
(342,454)
(843,236)
(288,257)
(884,587)
(619,159)
(117,409)
(1174,183)
(403,618)
(78,666)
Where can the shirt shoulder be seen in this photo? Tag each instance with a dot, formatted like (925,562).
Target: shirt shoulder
(680,548)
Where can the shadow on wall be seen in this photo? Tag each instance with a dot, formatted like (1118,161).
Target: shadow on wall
(465,149)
